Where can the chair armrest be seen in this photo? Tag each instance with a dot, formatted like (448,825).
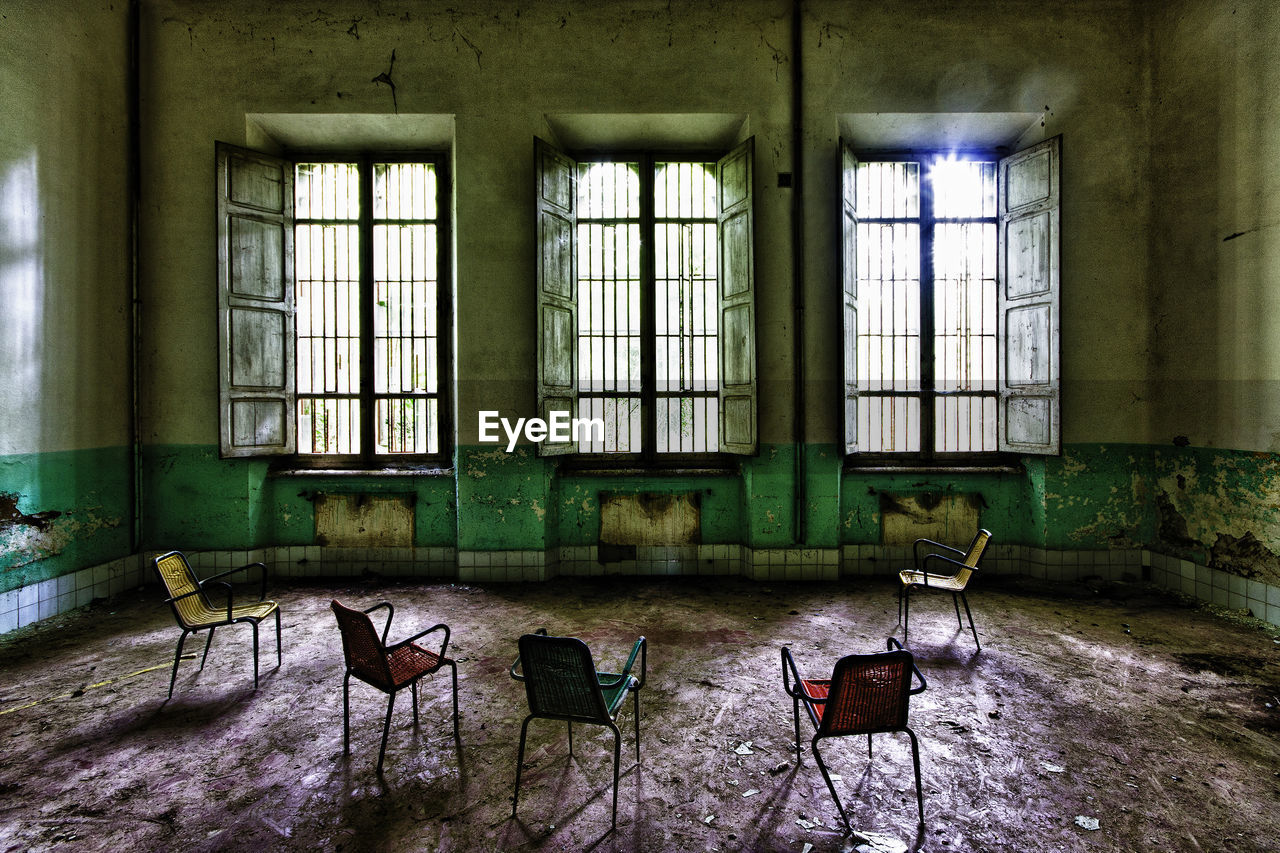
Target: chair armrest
(440,627)
(262,593)
(391,612)
(942,558)
(640,648)
(789,672)
(915,550)
(516,663)
(893,645)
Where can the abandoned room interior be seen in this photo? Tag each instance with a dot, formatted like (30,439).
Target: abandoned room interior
(714,324)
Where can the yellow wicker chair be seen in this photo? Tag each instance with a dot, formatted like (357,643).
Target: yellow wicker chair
(194,611)
(956,568)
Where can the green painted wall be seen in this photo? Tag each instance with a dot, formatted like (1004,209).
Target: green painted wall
(61,512)
(194,500)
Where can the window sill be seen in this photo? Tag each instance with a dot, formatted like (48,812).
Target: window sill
(417,471)
(935,468)
(599,470)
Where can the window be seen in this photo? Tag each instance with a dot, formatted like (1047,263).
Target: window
(646,314)
(332,316)
(951,299)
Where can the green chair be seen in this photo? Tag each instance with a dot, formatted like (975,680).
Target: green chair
(561,683)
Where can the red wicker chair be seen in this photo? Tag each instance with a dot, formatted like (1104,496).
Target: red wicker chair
(866,694)
(388,668)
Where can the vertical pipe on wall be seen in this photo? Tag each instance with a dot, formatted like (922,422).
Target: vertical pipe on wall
(797,263)
(133,188)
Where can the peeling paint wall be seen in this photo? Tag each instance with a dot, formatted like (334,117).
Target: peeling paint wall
(65,466)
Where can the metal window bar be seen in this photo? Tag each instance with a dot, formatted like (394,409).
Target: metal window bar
(609,334)
(647,309)
(367,299)
(686,312)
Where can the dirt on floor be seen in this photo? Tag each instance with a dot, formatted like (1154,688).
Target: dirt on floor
(1108,705)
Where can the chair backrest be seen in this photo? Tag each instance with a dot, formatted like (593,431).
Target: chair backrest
(869,693)
(178,579)
(560,679)
(976,547)
(365,655)
(973,555)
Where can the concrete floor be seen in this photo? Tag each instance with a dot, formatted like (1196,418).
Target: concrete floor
(1114,702)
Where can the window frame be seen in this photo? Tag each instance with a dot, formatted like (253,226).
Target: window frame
(285,455)
(648,458)
(928,393)
(1028,410)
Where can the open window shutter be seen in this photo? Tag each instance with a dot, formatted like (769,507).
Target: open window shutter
(849,291)
(257,399)
(557,194)
(737,332)
(1030,190)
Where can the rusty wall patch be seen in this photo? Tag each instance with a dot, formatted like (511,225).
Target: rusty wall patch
(650,519)
(365,521)
(1244,556)
(946,518)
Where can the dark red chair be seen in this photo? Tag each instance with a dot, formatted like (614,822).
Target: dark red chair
(866,694)
(388,668)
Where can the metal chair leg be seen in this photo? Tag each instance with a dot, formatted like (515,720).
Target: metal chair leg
(208,642)
(386,729)
(413,688)
(970,615)
(346,713)
(635,694)
(617,757)
(830,785)
(524,730)
(906,613)
(955,601)
(915,759)
(795,709)
(177,656)
(454,667)
(255,654)
(570,737)
(279,647)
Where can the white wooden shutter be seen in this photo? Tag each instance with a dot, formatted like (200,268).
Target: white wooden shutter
(737,333)
(557,223)
(257,398)
(849,291)
(1028,299)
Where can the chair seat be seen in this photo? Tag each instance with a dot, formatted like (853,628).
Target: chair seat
(947,583)
(201,616)
(613,696)
(411,661)
(816,689)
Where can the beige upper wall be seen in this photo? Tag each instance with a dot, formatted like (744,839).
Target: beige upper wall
(1079,67)
(64,230)
(1215,255)
(499,68)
